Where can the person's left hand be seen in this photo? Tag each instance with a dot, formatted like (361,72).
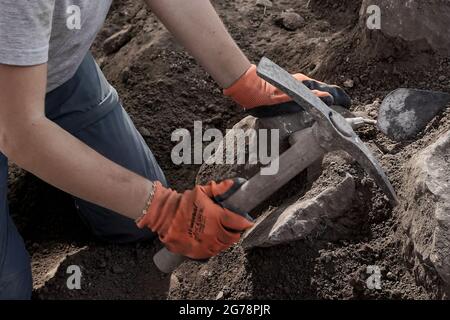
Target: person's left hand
(251,91)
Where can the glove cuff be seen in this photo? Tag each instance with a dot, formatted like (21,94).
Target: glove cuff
(161,209)
(241,90)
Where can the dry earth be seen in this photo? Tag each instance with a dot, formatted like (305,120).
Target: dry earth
(163,89)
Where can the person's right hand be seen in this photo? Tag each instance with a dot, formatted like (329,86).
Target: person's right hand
(192,223)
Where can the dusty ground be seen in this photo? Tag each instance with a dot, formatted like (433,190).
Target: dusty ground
(163,89)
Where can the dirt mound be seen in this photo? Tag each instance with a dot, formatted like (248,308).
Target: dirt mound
(339,13)
(163,89)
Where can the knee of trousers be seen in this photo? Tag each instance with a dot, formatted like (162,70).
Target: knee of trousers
(17,286)
(15,268)
(111,226)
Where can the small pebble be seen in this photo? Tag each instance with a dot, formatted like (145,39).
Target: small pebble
(145,132)
(125,75)
(349,83)
(391,276)
(290,20)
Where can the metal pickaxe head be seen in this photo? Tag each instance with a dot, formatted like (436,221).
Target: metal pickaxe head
(332,131)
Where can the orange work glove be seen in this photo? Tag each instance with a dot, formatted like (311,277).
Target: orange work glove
(191,223)
(251,91)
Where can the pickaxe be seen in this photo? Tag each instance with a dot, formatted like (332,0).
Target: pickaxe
(330,132)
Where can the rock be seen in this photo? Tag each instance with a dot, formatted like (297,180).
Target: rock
(401,121)
(145,132)
(390,276)
(264,3)
(442,78)
(117,41)
(290,20)
(301,219)
(125,75)
(349,83)
(174,282)
(219,295)
(426,217)
(412,20)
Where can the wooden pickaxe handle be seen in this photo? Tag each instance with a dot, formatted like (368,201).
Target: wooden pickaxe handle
(305,150)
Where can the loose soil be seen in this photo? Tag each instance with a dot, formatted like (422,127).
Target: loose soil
(163,88)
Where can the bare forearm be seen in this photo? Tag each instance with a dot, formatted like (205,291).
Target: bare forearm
(49,152)
(196,25)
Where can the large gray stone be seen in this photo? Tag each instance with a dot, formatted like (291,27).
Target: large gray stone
(426,217)
(302,219)
(413,20)
(406,112)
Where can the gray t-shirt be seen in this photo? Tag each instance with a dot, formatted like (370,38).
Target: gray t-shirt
(59,32)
